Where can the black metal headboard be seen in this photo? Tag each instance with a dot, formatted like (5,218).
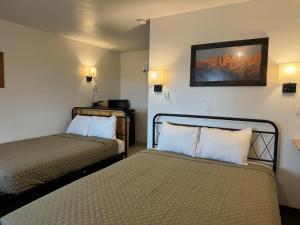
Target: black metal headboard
(263,146)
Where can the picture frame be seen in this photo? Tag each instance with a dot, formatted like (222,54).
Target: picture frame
(1,70)
(233,63)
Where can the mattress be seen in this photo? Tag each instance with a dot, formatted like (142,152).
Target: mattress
(28,163)
(154,187)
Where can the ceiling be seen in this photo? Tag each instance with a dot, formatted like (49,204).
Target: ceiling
(109,24)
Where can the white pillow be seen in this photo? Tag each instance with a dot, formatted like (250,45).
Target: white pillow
(80,125)
(104,127)
(224,145)
(180,139)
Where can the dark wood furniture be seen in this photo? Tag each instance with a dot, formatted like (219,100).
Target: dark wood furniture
(122,105)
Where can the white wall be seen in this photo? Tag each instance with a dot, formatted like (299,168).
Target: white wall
(134,86)
(43,82)
(170,42)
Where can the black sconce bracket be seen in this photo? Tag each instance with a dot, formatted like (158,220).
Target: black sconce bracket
(289,88)
(89,79)
(158,88)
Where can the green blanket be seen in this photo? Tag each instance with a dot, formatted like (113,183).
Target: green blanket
(160,188)
(28,163)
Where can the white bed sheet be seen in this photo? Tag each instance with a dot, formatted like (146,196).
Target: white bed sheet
(121,146)
(261,164)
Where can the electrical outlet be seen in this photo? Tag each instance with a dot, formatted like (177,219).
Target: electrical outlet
(298,110)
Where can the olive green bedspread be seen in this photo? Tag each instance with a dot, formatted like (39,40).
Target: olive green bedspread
(28,163)
(160,188)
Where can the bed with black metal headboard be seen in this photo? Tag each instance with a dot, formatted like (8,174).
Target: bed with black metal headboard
(264,141)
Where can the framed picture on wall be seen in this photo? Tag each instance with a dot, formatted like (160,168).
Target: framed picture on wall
(1,70)
(234,63)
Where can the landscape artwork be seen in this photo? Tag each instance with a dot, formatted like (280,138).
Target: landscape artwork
(237,63)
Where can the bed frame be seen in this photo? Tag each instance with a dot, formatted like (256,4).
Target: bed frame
(9,203)
(263,145)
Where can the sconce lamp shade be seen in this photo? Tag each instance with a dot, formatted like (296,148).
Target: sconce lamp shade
(289,73)
(93,71)
(156,77)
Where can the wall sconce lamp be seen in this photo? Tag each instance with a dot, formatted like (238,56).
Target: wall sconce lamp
(91,72)
(156,78)
(289,76)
